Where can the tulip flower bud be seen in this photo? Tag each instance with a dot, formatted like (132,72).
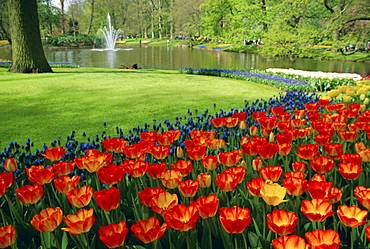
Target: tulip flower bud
(10,165)
(179,152)
(366,101)
(362,97)
(204,180)
(243,125)
(257,164)
(271,137)
(243,164)
(253,130)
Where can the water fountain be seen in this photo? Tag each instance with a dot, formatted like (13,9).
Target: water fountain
(110,34)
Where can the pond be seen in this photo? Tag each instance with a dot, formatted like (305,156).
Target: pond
(172,58)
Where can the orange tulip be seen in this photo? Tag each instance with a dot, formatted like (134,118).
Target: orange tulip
(136,168)
(255,185)
(227,182)
(30,194)
(183,166)
(64,168)
(149,135)
(108,199)
(216,144)
(81,222)
(230,158)
(299,166)
(317,210)
(284,149)
(277,110)
(94,161)
(239,172)
(160,151)
(352,216)
(111,174)
(272,173)
(54,154)
(7,236)
(363,196)
(365,155)
(64,184)
(205,134)
(113,235)
(189,188)
(253,130)
(334,150)
(47,220)
(10,165)
(266,122)
(210,162)
(163,201)
(296,122)
(80,197)
(6,180)
(295,186)
(197,152)
(322,139)
(273,194)
(347,136)
(147,194)
(322,164)
(314,116)
(267,151)
(235,219)
(289,242)
(284,126)
(168,137)
(312,107)
(181,217)
(257,164)
(307,151)
(205,180)
(351,158)
(282,222)
(155,170)
(114,144)
(135,151)
(171,178)
(40,174)
(320,239)
(149,230)
(350,171)
(207,205)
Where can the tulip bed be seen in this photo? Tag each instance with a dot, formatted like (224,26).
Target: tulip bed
(284,79)
(291,171)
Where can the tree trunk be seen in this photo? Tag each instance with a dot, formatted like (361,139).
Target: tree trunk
(91,16)
(27,52)
(63,17)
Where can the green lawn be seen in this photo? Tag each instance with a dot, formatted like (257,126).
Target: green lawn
(50,106)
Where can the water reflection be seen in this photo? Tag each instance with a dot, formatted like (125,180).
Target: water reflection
(164,57)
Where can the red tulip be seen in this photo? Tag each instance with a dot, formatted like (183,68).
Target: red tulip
(323,239)
(147,194)
(205,134)
(80,197)
(135,151)
(230,158)
(64,168)
(155,170)
(40,174)
(81,222)
(168,137)
(6,180)
(207,205)
(136,168)
(307,151)
(284,138)
(289,242)
(10,165)
(113,235)
(255,185)
(350,171)
(149,135)
(30,194)
(226,181)
(363,196)
(257,164)
(114,144)
(352,216)
(322,139)
(317,210)
(54,154)
(277,110)
(149,230)
(108,199)
(267,151)
(183,166)
(111,174)
(197,152)
(47,220)
(268,123)
(322,164)
(334,150)
(312,107)
(282,222)
(160,151)
(189,188)
(299,166)
(7,236)
(272,173)
(295,186)
(351,158)
(235,219)
(64,184)
(181,217)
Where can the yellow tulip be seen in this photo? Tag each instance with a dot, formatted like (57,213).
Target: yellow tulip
(273,194)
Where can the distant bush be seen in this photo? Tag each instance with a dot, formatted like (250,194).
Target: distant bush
(72,41)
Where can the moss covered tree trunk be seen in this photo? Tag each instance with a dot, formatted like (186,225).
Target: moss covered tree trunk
(27,52)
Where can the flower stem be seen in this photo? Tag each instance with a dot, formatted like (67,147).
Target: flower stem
(235,241)
(209,233)
(187,240)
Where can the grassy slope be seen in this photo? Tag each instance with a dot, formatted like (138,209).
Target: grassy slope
(45,106)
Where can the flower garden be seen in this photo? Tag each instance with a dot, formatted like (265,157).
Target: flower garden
(288,172)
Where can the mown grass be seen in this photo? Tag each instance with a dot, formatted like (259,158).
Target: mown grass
(50,106)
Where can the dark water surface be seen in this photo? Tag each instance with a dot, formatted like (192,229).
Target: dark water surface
(163,57)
